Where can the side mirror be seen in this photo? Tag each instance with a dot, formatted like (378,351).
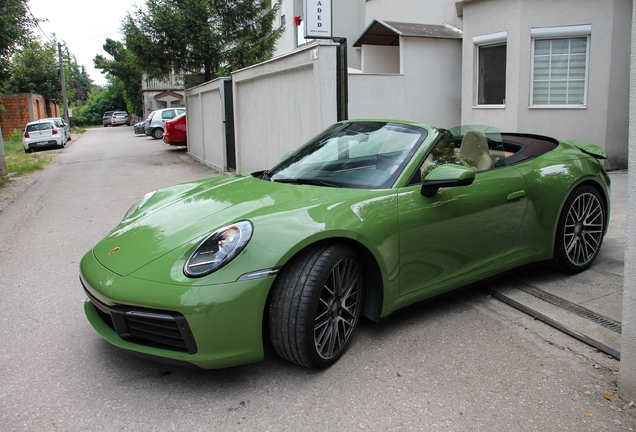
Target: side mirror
(448,175)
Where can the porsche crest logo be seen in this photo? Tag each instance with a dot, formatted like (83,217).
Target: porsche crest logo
(115,249)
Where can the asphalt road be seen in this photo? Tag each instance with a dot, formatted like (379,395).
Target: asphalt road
(465,362)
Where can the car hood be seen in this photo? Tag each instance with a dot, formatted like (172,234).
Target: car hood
(181,216)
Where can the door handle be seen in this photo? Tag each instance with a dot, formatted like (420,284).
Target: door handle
(515,195)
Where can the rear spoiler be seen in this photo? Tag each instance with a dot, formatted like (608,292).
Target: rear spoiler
(588,148)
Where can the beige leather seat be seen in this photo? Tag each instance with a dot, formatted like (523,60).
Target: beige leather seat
(474,150)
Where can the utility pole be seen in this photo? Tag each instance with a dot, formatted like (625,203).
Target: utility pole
(63,81)
(3,160)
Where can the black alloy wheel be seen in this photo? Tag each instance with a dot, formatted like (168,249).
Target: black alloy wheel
(580,230)
(316,304)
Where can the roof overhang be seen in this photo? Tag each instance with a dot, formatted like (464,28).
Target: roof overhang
(389,32)
(459,6)
(168,96)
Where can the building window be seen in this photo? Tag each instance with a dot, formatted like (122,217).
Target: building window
(491,68)
(492,75)
(560,66)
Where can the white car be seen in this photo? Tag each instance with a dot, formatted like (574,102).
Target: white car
(61,124)
(42,133)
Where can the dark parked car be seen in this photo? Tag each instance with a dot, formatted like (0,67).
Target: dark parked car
(106,118)
(140,128)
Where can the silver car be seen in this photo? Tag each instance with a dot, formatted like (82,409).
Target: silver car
(42,133)
(154,122)
(120,118)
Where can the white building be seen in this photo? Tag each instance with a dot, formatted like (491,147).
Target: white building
(158,94)
(538,66)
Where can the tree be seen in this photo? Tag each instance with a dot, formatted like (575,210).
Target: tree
(15,25)
(80,83)
(98,102)
(248,31)
(34,69)
(123,67)
(199,37)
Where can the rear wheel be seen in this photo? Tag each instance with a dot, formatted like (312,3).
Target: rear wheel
(157,133)
(580,230)
(315,305)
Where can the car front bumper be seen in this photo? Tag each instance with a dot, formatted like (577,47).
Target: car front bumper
(209,326)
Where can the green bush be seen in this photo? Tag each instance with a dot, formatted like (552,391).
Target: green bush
(16,135)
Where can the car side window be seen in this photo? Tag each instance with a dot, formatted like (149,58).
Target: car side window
(167,114)
(180,111)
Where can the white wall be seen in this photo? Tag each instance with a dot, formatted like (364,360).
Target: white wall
(280,104)
(426,91)
(604,120)
(206,130)
(435,12)
(380,59)
(348,22)
(627,374)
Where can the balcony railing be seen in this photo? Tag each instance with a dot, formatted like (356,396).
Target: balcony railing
(173,82)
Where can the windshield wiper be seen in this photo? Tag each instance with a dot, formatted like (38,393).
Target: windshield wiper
(306,181)
(263,175)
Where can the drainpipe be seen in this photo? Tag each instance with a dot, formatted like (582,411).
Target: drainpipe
(342,84)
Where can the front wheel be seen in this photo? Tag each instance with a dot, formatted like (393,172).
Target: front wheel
(580,230)
(315,305)
(157,133)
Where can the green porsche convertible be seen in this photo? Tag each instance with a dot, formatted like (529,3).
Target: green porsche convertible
(364,219)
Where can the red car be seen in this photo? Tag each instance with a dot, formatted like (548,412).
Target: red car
(175,131)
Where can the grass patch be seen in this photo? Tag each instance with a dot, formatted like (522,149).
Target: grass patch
(19,162)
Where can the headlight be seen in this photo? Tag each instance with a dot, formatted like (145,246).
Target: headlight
(218,249)
(138,204)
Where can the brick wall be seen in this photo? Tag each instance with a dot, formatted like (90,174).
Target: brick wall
(22,108)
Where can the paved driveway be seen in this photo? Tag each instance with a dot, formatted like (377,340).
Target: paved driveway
(465,362)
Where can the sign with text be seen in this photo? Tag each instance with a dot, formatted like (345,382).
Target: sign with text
(318,19)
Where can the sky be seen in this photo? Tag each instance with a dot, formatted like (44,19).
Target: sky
(83,25)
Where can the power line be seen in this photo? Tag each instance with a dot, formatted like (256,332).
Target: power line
(95,37)
(37,23)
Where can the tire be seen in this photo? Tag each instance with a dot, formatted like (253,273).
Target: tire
(157,133)
(315,305)
(580,230)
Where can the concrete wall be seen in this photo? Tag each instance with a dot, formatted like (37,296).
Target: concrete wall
(348,22)
(377,59)
(604,120)
(627,374)
(426,91)
(413,11)
(206,129)
(280,104)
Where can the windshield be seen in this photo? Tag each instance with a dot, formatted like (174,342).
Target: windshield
(367,155)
